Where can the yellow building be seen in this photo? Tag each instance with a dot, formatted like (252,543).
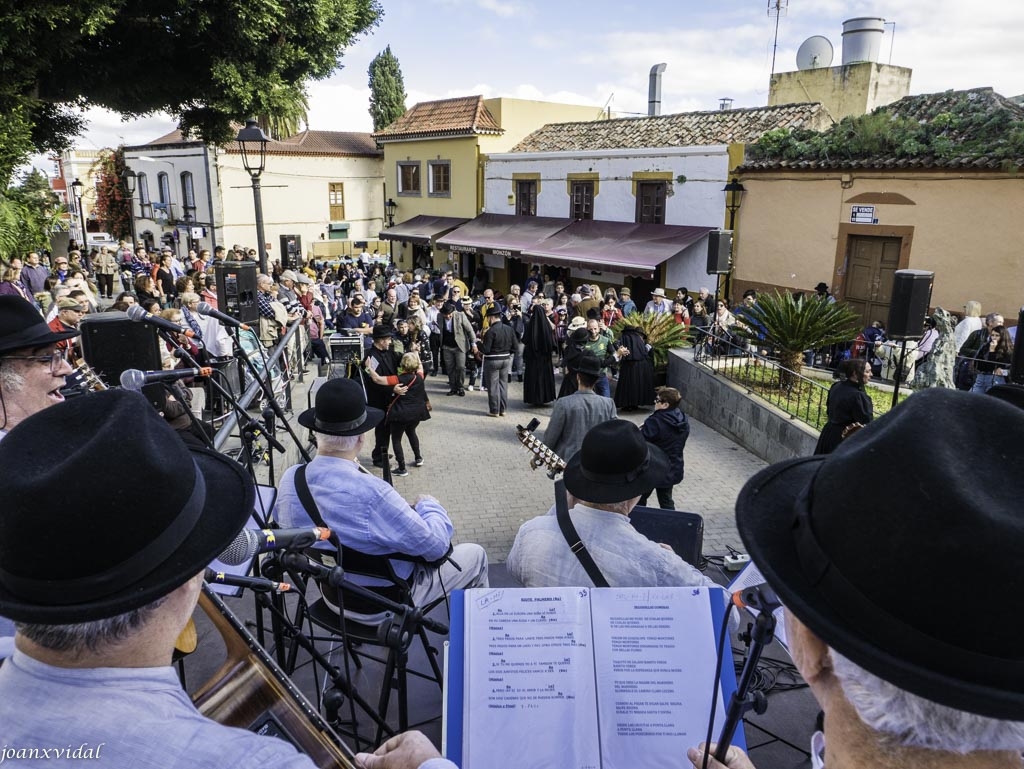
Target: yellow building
(433,166)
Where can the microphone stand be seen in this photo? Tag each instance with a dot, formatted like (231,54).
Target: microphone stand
(182,353)
(762,598)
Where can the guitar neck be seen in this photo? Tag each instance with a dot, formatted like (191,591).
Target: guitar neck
(542,455)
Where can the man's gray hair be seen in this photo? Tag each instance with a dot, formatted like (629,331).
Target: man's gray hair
(337,443)
(10,379)
(992,317)
(908,720)
(93,636)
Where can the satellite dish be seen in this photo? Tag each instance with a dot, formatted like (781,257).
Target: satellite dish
(814,52)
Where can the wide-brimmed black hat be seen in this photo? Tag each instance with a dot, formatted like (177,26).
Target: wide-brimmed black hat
(901,549)
(588,363)
(383,331)
(493,311)
(21,326)
(614,463)
(340,409)
(109,548)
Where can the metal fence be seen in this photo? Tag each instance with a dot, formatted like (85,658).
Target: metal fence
(762,375)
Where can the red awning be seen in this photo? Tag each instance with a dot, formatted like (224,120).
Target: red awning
(422,229)
(622,247)
(501,235)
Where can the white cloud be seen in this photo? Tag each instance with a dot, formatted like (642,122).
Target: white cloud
(503,9)
(337,106)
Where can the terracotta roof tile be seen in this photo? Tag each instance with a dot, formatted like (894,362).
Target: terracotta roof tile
(686,129)
(461,116)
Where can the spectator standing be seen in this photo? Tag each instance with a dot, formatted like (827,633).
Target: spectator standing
(668,429)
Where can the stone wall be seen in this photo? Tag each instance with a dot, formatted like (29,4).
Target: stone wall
(759,427)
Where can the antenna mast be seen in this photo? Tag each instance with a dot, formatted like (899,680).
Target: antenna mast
(776,8)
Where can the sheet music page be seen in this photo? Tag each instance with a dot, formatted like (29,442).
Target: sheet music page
(529,698)
(654,652)
(750,576)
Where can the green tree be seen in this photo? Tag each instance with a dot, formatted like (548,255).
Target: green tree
(206,62)
(387,89)
(661,331)
(113,205)
(292,113)
(795,324)
(29,214)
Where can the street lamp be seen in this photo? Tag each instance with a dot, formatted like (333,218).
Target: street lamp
(78,188)
(129,178)
(253,144)
(390,206)
(733,197)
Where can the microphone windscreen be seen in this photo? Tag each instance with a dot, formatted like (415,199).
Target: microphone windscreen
(135,312)
(133,379)
(242,548)
(205,308)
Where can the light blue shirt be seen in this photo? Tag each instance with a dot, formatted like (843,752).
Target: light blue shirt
(367,514)
(135,718)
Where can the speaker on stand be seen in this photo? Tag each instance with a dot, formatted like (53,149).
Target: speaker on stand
(236,290)
(719,255)
(908,308)
(111,343)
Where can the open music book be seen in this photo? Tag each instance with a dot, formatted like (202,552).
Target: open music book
(582,678)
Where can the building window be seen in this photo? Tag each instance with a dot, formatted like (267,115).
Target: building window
(526,198)
(188,195)
(439,181)
(336,200)
(145,204)
(164,185)
(650,202)
(408,178)
(582,200)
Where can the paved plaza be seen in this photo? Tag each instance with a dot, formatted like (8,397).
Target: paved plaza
(476,467)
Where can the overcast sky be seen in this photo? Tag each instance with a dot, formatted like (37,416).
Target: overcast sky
(600,52)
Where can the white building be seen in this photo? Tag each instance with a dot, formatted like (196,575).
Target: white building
(316,185)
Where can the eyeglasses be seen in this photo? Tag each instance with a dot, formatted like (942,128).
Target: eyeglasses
(55,359)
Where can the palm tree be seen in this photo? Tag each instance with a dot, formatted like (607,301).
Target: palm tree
(661,331)
(795,324)
(286,112)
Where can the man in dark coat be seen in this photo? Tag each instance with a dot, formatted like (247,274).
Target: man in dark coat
(667,428)
(383,361)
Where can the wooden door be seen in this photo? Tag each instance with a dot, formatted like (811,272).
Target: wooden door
(868,287)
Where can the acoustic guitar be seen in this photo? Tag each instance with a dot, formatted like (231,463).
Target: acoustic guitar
(542,455)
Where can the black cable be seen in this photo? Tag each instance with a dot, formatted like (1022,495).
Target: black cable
(722,633)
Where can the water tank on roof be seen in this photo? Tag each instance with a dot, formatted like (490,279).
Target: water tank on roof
(862,37)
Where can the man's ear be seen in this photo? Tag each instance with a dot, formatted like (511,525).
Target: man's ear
(810,654)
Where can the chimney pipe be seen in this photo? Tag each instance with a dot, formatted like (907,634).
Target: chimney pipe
(654,91)
(725,103)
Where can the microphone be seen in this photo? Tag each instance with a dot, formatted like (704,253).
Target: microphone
(133,379)
(139,315)
(250,542)
(256,584)
(760,597)
(206,309)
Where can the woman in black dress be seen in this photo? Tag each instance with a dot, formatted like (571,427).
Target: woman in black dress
(847,404)
(539,344)
(407,411)
(636,371)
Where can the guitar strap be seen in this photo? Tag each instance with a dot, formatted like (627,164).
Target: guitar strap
(572,537)
(306,498)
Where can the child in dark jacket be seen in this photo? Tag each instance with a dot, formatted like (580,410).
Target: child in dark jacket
(408,410)
(667,428)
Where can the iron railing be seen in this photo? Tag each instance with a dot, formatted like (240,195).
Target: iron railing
(762,375)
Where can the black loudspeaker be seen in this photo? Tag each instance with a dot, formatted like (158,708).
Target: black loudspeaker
(112,343)
(236,290)
(719,252)
(291,252)
(1017,362)
(908,306)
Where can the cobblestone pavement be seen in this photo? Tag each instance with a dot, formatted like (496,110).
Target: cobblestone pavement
(476,467)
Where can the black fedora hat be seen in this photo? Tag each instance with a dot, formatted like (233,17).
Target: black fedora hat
(614,463)
(383,331)
(109,550)
(588,363)
(894,583)
(493,311)
(21,326)
(340,409)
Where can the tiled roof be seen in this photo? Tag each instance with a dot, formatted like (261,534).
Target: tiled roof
(462,116)
(686,129)
(973,129)
(325,143)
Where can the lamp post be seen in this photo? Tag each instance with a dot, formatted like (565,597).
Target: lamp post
(733,197)
(78,189)
(129,178)
(390,206)
(253,144)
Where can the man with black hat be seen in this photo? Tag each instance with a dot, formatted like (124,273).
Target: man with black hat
(381,361)
(457,339)
(499,344)
(614,467)
(908,652)
(574,415)
(366,512)
(98,616)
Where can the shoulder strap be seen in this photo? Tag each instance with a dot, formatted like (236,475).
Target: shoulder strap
(572,537)
(306,497)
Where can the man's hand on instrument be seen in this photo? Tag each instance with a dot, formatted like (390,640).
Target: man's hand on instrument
(403,751)
(735,758)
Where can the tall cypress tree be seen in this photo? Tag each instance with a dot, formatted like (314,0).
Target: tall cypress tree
(387,89)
